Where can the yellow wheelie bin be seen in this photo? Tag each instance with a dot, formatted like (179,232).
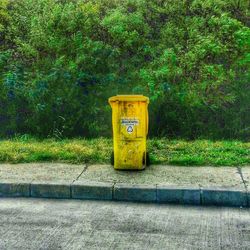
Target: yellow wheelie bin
(130,129)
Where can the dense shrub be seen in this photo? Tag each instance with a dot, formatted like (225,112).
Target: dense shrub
(61,60)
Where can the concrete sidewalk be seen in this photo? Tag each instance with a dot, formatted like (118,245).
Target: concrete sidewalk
(224,186)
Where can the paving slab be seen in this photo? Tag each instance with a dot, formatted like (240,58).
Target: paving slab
(162,184)
(29,172)
(226,177)
(246,176)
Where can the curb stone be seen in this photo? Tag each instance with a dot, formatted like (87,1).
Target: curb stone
(142,193)
(224,197)
(247,196)
(50,190)
(127,192)
(178,195)
(92,190)
(11,189)
(248,199)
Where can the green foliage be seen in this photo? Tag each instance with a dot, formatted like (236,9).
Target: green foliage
(4,18)
(61,60)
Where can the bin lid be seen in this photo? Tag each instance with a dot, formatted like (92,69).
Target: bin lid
(128,98)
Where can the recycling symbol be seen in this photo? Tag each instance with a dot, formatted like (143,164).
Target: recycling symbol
(130,129)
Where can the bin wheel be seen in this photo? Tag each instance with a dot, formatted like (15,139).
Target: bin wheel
(147,159)
(112,159)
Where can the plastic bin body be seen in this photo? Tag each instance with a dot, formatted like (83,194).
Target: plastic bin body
(130,129)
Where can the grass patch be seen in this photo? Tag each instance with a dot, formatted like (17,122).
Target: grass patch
(162,151)
(200,152)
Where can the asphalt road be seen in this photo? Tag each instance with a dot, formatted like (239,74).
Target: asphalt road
(74,224)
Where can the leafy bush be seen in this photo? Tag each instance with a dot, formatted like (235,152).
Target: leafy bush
(61,60)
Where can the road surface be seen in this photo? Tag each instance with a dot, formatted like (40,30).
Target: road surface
(74,224)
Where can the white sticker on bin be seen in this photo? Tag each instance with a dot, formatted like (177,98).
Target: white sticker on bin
(129,122)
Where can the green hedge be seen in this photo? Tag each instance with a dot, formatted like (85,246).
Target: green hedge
(61,60)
